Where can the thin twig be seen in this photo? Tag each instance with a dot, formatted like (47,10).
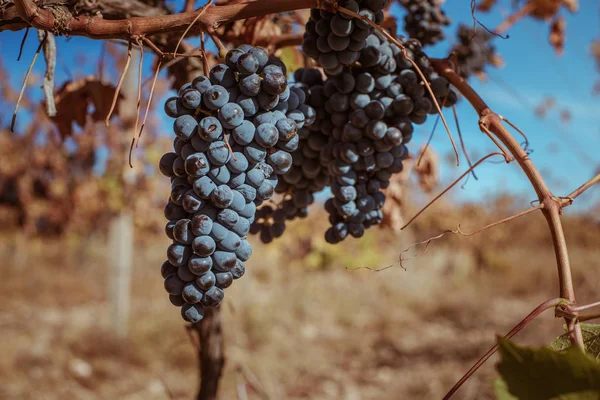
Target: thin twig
(35,56)
(579,191)
(449,187)
(50,58)
(430,135)
(202,10)
(507,219)
(536,312)
(118,88)
(462,142)
(149,100)
(139,100)
(23,44)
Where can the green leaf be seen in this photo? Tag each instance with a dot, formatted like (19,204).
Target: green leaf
(542,373)
(591,339)
(501,390)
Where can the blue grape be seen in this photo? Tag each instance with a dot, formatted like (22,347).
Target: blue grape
(281,161)
(250,85)
(176,300)
(224,260)
(238,162)
(201,84)
(192,313)
(239,202)
(203,246)
(182,231)
(222,75)
(224,279)
(242,227)
(266,135)
(228,218)
(167,269)
(287,128)
(244,251)
(247,64)
(191,98)
(255,153)
(191,294)
(218,153)
(265,191)
(248,211)
(267,101)
(232,57)
(237,179)
(173,284)
(255,177)
(261,56)
(178,254)
(203,187)
(244,133)
(210,129)
(220,175)
(165,165)
(248,192)
(274,82)
(222,196)
(215,97)
(249,105)
(219,232)
(197,165)
(206,280)
(185,126)
(200,265)
(231,115)
(213,297)
(230,243)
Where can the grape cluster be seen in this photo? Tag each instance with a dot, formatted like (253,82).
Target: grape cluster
(474,51)
(336,39)
(235,130)
(372,108)
(308,173)
(424,20)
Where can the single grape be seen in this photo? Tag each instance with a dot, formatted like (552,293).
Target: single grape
(215,97)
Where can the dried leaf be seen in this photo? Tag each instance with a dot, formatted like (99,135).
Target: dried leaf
(486,5)
(428,170)
(558,35)
(74,98)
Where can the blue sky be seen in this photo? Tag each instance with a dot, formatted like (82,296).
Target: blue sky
(567,154)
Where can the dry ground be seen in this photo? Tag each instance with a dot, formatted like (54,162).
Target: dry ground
(301,321)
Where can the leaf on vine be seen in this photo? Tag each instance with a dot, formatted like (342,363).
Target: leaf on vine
(292,57)
(501,390)
(542,373)
(591,340)
(558,35)
(74,98)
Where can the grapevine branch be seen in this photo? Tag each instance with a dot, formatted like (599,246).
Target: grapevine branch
(98,28)
(552,206)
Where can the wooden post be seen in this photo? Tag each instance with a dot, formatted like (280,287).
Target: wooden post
(120,235)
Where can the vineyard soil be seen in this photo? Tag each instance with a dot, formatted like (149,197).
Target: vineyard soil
(301,326)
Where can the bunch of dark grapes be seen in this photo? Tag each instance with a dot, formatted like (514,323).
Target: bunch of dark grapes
(308,174)
(336,39)
(474,51)
(235,131)
(372,109)
(424,20)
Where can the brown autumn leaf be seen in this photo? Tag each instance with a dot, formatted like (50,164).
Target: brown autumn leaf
(428,170)
(73,99)
(558,35)
(486,5)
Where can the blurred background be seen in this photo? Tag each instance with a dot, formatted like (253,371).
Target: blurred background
(84,314)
